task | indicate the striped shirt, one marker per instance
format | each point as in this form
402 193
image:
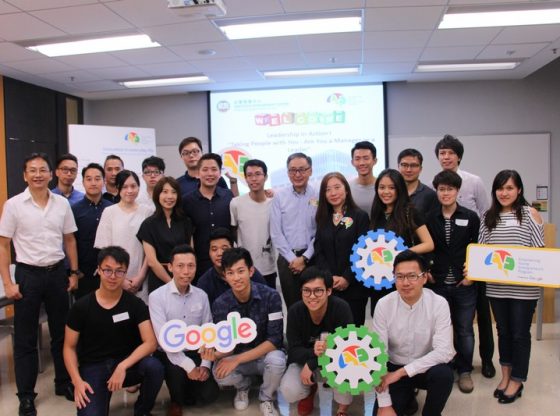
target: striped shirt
528 233
449 279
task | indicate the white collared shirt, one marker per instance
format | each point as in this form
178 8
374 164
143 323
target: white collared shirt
472 194
418 336
37 232
167 303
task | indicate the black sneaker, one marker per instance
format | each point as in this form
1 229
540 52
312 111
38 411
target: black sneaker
27 407
67 391
488 369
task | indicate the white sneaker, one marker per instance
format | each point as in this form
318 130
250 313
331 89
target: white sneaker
268 409
241 400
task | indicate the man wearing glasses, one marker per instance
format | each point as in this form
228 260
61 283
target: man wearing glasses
292 225
109 340
190 150
309 320
66 173
415 325
410 167
153 169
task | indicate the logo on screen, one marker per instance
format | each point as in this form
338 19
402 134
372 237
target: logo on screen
234 160
336 98
501 259
223 106
132 137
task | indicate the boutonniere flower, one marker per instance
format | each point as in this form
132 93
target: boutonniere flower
347 221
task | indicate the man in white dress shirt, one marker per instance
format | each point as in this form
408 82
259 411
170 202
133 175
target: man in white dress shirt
415 325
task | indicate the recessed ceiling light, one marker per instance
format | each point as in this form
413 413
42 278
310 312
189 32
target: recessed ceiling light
473 66
80 47
354 70
162 82
252 28
469 18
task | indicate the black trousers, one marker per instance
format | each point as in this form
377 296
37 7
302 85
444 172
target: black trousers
437 381
289 282
37 286
183 390
484 321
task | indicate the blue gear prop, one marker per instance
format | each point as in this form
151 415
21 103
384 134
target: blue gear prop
355 360
376 274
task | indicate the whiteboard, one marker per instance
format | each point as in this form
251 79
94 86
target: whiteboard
485 156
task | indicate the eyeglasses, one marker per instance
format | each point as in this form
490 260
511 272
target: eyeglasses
409 165
412 277
155 172
193 152
66 171
295 171
109 272
254 175
37 171
317 292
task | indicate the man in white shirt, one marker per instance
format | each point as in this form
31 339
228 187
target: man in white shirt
364 158
415 325
250 217
39 223
186 375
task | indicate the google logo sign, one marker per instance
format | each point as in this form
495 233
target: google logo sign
176 336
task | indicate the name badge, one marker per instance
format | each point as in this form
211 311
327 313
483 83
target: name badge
120 317
461 222
511 223
275 316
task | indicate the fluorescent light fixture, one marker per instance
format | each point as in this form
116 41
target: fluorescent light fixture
318 72
80 47
473 66
456 18
291 25
163 82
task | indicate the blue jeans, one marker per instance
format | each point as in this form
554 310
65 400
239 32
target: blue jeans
513 321
148 371
462 304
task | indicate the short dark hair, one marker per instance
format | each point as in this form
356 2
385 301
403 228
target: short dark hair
410 153
299 155
450 142
256 163
190 140
120 255
219 233
158 162
233 255
93 166
314 272
37 155
113 157
66 156
409 255
181 249
365 145
211 156
449 178
123 175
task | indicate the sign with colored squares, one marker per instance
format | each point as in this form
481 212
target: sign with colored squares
355 360
515 265
372 258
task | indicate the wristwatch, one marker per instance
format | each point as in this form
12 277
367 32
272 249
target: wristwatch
76 272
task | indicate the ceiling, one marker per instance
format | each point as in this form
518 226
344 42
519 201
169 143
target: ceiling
397 35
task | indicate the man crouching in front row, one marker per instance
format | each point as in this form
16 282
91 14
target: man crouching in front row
109 335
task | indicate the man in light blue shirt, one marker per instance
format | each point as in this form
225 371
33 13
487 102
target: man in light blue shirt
66 173
187 376
292 225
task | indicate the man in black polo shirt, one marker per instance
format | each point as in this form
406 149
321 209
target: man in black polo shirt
453 228
410 167
109 340
208 207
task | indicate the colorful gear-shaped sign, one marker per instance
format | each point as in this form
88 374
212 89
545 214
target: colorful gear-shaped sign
355 360
372 258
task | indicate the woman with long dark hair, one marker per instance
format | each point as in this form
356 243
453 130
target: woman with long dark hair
165 229
339 225
510 220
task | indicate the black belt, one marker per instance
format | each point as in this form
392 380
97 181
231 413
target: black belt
50 268
299 253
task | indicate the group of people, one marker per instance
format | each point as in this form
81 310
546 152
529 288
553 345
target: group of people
192 249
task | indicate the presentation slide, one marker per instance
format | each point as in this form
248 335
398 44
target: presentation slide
322 122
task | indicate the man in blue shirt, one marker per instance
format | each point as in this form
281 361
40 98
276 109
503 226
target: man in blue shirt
292 225
87 213
262 356
66 172
207 207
